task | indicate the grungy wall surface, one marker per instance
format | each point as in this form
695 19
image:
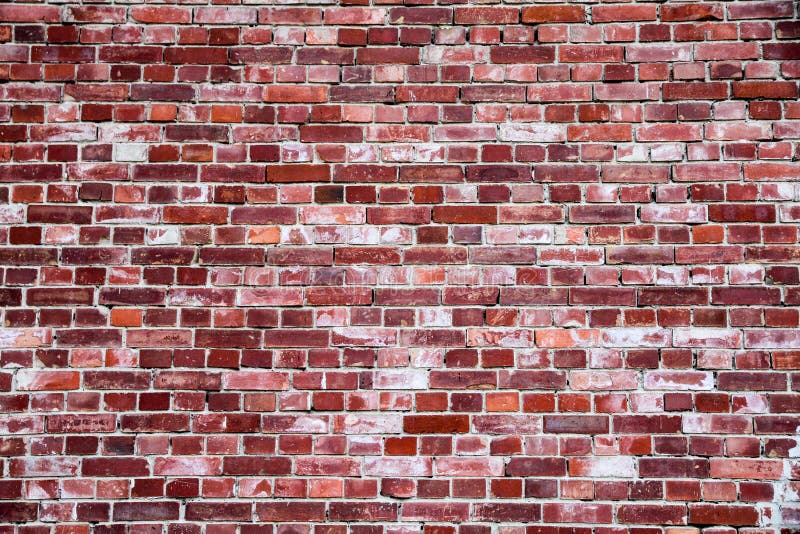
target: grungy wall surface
367 266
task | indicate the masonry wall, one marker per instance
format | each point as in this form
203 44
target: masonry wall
378 267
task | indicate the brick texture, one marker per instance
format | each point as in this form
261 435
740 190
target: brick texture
381 267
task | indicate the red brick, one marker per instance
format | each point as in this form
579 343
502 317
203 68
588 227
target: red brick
309 261
688 12
436 424
772 89
721 514
520 466
652 514
553 14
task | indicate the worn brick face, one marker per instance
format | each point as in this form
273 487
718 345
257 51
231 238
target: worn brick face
389 267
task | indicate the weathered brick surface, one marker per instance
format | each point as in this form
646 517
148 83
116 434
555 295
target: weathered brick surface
387 267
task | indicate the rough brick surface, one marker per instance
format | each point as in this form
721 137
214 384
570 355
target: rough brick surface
381 267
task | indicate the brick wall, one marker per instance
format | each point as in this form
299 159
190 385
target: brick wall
378 267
